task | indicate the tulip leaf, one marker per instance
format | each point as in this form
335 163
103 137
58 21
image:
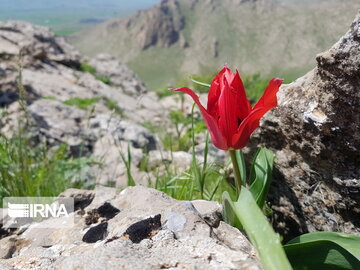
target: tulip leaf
200 83
324 250
229 212
262 236
260 175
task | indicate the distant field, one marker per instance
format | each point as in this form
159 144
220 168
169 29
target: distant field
66 17
62 22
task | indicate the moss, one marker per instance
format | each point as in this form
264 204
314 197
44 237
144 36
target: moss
81 103
85 67
104 79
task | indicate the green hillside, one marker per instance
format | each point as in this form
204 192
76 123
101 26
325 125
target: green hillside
179 38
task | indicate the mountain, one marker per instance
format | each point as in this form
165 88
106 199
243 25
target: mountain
177 38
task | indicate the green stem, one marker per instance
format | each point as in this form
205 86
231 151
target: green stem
238 181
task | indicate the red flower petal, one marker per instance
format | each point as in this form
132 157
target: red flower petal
214 93
247 126
229 111
243 102
211 123
269 99
251 122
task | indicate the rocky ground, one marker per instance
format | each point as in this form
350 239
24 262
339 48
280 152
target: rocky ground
52 73
314 133
138 228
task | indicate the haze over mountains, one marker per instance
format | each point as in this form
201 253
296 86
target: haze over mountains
178 38
67 16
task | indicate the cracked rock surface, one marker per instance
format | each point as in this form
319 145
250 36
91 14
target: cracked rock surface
315 133
177 236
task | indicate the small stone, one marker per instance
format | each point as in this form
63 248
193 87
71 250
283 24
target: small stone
175 222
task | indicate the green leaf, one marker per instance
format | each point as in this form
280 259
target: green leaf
228 211
261 234
200 83
324 250
127 163
260 175
194 165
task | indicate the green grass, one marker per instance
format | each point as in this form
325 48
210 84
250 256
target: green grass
85 67
202 180
104 79
81 103
28 170
113 106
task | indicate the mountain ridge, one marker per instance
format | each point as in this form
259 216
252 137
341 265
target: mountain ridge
178 38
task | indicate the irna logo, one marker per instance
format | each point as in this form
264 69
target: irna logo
47 212
21 210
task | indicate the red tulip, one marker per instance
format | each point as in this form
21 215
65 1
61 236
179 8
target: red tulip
229 116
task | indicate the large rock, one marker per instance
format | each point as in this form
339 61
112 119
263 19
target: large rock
104 136
35 42
51 76
316 137
138 228
51 68
118 73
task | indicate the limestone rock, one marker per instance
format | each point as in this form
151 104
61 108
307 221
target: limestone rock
180 161
104 136
182 239
118 73
35 43
316 137
51 76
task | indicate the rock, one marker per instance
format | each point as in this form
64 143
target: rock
163 25
180 161
52 75
51 69
35 43
151 231
57 83
104 136
10 245
210 211
215 155
118 73
139 109
60 123
108 150
82 197
315 135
